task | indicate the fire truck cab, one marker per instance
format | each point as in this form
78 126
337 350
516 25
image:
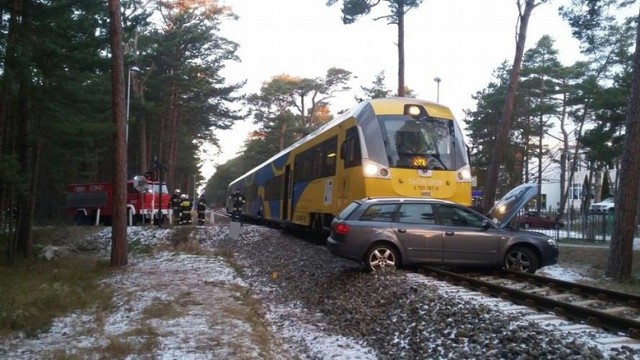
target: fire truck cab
92 203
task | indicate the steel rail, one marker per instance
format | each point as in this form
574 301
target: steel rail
630 300
629 327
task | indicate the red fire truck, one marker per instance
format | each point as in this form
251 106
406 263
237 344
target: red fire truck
92 203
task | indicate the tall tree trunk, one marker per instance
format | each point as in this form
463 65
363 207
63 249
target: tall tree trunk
620 259
172 137
597 184
504 126
28 205
563 158
160 153
281 138
401 91
539 182
144 154
7 131
25 136
306 122
9 64
119 212
540 145
25 241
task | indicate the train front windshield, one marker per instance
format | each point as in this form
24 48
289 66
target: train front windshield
427 143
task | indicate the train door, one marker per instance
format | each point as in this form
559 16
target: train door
350 176
286 193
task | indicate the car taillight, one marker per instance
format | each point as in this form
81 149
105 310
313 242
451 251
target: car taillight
342 229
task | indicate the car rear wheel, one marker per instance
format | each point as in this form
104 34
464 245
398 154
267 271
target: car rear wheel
522 259
381 257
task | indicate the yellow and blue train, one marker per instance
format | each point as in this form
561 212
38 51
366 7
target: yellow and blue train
382 147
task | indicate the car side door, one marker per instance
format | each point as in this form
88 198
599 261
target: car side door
466 240
416 229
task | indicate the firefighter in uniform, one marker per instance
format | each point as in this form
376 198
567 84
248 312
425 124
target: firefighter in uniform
202 208
237 200
174 204
185 205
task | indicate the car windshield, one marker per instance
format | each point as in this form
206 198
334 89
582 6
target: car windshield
608 201
425 143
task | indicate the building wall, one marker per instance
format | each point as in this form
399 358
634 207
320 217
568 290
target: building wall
552 191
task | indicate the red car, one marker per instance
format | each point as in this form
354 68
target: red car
533 219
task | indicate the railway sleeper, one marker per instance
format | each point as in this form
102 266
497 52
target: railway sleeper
586 303
618 309
560 296
540 291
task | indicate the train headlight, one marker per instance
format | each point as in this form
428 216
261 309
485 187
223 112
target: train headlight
415 111
464 174
370 170
373 169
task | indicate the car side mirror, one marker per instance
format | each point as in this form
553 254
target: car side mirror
485 224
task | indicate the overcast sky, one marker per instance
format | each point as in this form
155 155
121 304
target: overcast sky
460 41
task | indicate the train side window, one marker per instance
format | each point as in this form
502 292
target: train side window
317 161
273 188
350 149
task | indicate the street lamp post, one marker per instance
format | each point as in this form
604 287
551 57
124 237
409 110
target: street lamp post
135 69
437 80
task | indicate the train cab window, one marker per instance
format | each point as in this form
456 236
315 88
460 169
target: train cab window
350 149
425 143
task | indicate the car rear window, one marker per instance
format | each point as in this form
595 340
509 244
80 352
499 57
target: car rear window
379 212
348 210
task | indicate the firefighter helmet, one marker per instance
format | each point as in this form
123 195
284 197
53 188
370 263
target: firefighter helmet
183 196
176 191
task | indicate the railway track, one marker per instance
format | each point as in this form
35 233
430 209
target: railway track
610 310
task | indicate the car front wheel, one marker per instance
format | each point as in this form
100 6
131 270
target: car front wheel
521 259
382 257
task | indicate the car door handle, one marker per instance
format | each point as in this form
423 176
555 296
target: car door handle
402 230
449 233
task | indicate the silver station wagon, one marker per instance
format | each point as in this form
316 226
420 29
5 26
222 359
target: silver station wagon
395 232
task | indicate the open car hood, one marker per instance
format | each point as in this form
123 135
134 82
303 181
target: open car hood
507 207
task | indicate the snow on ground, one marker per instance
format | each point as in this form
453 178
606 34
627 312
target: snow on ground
191 304
196 307
562 273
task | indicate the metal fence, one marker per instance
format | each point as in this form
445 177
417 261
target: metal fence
587 227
